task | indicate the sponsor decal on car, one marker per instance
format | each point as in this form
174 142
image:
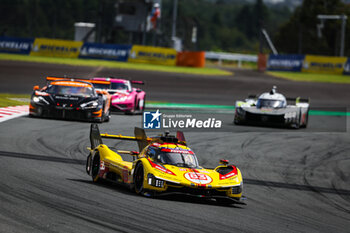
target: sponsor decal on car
198 178
161 168
102 165
177 151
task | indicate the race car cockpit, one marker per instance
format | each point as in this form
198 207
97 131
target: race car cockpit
176 157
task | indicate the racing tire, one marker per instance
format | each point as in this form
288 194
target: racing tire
236 122
306 120
138 179
297 123
99 120
95 168
138 109
142 107
107 116
88 164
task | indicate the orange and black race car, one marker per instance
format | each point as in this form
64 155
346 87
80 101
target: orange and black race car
66 98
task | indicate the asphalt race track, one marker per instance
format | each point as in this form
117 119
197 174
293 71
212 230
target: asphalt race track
295 180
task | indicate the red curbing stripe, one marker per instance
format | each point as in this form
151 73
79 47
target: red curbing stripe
6 113
11 111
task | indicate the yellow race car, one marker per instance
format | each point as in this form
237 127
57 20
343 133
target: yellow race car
164 165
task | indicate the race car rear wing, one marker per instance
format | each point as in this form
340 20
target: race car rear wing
298 100
137 82
50 79
96 137
181 138
131 81
140 137
289 99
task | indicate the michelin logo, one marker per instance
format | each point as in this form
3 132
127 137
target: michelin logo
152 120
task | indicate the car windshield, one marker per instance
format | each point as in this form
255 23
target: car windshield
70 90
178 159
101 86
265 103
120 86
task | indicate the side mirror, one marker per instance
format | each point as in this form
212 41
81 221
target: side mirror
134 153
35 88
224 162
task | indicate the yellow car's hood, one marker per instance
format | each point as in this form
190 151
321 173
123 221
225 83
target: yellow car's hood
198 177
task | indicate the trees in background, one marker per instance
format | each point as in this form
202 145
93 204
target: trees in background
222 25
299 34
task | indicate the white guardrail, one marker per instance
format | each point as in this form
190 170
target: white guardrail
231 57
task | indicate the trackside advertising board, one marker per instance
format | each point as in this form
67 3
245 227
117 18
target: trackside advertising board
152 55
347 67
56 48
285 62
324 65
105 51
15 45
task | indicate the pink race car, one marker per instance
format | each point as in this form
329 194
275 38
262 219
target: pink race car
125 98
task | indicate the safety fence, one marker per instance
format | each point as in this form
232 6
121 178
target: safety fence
112 52
221 56
309 64
168 56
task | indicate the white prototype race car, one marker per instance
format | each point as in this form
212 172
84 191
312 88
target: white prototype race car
272 109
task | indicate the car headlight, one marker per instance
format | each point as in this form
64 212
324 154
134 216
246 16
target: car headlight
36 99
290 115
237 189
39 99
91 104
152 180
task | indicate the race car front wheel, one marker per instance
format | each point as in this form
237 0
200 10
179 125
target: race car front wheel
141 105
88 163
107 116
95 168
138 178
306 120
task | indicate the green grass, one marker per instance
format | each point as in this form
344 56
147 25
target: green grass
115 64
310 77
13 100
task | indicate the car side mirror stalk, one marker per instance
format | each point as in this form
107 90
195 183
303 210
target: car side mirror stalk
224 162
